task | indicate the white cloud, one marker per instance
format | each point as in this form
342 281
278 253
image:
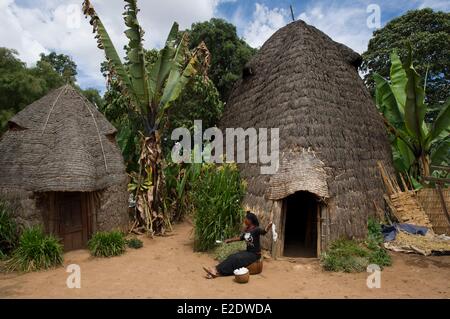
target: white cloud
346 25
443 5
265 22
40 26
343 23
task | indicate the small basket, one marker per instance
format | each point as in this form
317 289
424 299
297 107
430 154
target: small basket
242 279
256 267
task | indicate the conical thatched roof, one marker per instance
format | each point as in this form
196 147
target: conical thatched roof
60 143
331 135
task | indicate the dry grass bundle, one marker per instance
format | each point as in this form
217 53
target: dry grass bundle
425 245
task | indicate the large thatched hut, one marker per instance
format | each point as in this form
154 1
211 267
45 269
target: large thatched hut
60 167
331 137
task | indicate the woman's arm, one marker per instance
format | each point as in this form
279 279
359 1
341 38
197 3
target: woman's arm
230 240
269 225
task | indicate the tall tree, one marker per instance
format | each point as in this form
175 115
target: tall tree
93 96
229 53
62 64
429 34
20 86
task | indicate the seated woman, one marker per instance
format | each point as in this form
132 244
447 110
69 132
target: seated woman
243 258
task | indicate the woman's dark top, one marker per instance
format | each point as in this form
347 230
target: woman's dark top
251 237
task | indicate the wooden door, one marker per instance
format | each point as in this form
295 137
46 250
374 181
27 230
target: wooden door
73 227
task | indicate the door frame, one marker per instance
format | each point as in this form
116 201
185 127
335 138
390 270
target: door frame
319 224
53 218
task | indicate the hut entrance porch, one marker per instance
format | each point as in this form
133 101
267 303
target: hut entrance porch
70 217
301 218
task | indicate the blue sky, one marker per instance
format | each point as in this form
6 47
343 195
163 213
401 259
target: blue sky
35 26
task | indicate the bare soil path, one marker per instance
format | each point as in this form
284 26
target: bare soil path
168 268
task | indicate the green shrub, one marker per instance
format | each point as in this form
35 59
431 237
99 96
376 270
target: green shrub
177 191
380 257
107 244
353 256
345 255
217 195
374 231
36 251
3 256
374 242
135 243
222 251
9 234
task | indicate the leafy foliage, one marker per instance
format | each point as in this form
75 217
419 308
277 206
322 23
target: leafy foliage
402 103
36 251
374 241
217 197
229 53
179 181
20 85
353 256
222 251
429 32
345 255
199 101
8 229
62 64
107 244
150 91
135 243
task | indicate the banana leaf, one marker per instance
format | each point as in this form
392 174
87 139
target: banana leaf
442 122
440 153
105 43
398 81
387 102
160 70
136 55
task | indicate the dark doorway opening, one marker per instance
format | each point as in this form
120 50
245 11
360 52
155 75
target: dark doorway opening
301 225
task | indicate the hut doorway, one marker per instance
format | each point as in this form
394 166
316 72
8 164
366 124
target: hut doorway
301 225
73 219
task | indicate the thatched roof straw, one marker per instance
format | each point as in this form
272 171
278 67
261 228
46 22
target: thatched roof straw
60 143
331 135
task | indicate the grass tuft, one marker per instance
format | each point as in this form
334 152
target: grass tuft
36 251
135 243
354 256
217 196
107 244
222 251
9 232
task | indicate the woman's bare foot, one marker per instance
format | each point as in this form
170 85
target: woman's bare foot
211 272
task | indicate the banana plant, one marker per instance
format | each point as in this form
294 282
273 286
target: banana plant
151 89
402 103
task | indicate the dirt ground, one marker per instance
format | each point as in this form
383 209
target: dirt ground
167 267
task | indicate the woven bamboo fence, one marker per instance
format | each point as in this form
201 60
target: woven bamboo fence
431 203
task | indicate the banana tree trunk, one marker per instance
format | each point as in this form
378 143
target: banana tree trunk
151 160
424 165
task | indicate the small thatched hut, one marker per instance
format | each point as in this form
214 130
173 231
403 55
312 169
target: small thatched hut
331 137
60 167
